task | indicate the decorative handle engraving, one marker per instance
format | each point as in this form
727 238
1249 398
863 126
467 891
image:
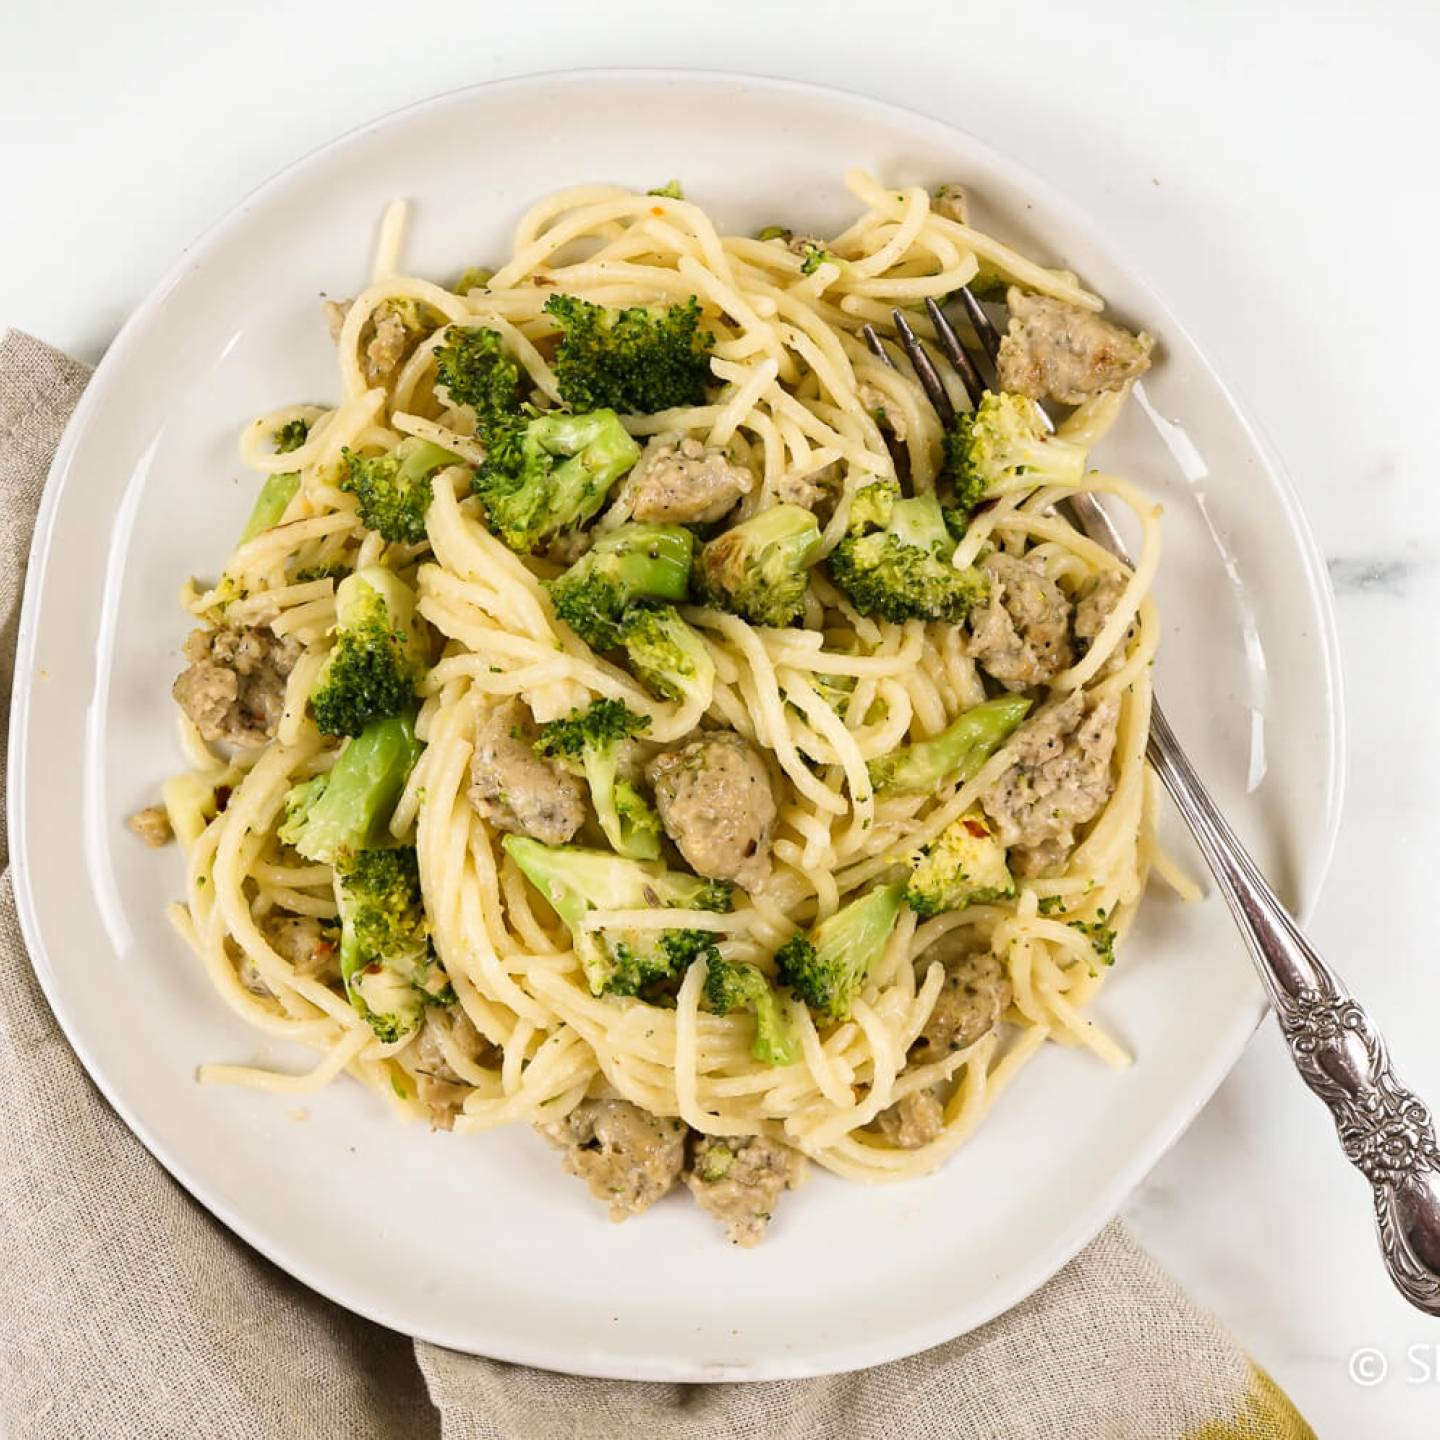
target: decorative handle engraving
1386 1130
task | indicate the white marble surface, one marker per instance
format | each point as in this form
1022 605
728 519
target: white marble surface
1269 164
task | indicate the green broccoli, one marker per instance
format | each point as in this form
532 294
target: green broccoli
333 570
639 359
827 967
632 562
589 741
395 490
637 821
349 808
670 190
386 963
895 560
378 657
834 690
619 962
965 865
551 473
273 501
774 232
666 653
1002 445
473 277
291 436
814 256
473 368
760 568
988 284
730 987
956 753
1100 936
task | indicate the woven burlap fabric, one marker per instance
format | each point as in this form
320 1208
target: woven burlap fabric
127 1311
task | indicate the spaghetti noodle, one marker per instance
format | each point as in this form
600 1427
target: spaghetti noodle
799 404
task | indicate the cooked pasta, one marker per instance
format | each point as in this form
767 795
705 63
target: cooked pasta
728 1016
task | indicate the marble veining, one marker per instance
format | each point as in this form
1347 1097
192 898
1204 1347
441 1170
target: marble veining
1386 575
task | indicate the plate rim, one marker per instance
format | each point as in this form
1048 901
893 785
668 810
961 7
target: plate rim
597 1359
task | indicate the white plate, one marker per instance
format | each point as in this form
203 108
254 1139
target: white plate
481 1243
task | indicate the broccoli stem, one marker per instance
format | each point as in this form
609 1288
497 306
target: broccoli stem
730 986
350 808
957 752
827 968
273 501
590 740
576 881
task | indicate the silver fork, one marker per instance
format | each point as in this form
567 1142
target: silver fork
1385 1129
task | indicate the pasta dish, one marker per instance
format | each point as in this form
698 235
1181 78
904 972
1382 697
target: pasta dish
632 711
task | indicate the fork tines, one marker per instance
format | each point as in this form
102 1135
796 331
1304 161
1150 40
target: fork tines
988 335
925 370
955 352
964 361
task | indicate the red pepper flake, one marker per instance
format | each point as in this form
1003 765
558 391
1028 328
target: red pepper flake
975 828
222 797
657 209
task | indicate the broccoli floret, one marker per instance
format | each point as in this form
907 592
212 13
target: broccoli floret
743 987
956 753
667 654
632 562
1002 445
474 369
872 506
349 808
589 742
638 359
389 972
378 657
671 190
774 232
551 473
274 499
648 959
901 570
965 865
760 568
619 962
291 436
827 967
395 490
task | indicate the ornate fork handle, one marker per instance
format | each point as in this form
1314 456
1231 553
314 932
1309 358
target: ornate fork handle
1386 1131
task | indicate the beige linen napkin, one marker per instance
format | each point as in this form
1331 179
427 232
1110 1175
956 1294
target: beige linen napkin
126 1310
